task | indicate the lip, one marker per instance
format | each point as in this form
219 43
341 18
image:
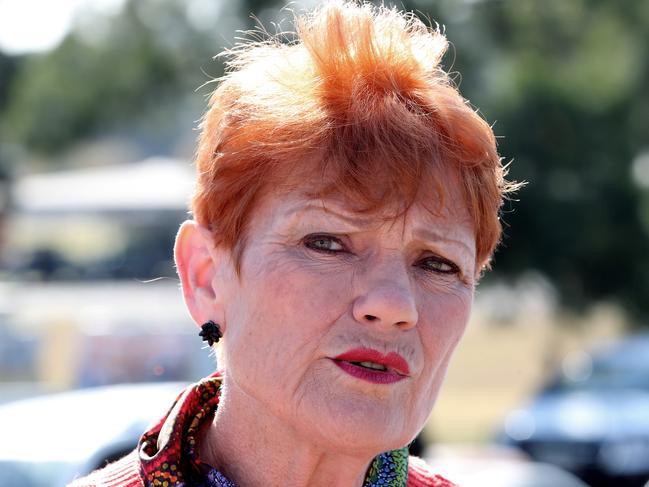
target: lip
396 365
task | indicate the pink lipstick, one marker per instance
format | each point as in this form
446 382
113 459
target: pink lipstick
373 366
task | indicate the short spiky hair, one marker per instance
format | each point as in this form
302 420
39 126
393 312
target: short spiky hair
361 91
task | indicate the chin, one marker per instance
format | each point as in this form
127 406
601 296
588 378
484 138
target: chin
361 424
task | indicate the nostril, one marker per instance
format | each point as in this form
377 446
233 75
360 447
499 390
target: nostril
370 317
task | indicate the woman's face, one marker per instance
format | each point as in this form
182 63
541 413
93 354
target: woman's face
341 324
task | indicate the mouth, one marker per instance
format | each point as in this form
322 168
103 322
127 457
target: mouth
373 366
370 365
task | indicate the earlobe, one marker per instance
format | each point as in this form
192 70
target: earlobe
197 262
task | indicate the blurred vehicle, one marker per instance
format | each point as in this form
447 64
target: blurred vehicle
97 223
524 474
497 466
50 440
593 418
88 290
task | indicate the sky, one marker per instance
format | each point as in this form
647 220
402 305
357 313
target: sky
39 25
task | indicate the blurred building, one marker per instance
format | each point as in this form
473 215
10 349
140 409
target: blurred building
89 291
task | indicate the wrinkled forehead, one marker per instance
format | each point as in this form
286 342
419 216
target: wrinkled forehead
392 196
445 214
426 209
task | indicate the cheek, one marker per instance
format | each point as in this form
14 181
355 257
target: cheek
446 313
281 328
446 317
303 293
287 308
442 323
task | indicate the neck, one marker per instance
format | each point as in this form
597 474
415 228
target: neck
252 447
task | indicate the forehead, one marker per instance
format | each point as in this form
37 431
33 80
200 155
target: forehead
432 216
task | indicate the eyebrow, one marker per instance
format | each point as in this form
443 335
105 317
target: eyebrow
360 222
432 236
353 219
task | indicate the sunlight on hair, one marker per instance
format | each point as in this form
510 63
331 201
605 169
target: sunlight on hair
359 105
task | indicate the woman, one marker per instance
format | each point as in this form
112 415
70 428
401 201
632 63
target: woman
346 205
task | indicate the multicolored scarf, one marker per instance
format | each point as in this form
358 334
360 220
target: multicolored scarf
169 458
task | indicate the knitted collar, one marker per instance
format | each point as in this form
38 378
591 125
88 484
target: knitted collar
168 455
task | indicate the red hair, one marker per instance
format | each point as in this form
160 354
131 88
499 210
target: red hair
361 91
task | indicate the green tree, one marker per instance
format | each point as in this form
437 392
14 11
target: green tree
139 74
567 84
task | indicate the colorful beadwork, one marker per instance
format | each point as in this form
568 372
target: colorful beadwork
389 469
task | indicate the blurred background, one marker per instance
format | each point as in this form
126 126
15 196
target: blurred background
99 102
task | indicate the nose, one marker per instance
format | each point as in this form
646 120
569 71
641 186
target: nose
386 299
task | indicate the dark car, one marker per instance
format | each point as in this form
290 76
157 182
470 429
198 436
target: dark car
593 418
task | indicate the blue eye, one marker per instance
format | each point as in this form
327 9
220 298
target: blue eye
439 265
324 243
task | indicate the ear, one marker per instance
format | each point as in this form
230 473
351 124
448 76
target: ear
200 264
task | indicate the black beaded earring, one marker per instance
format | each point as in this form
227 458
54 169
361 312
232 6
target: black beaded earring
210 333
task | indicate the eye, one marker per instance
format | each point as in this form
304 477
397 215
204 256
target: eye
438 264
324 243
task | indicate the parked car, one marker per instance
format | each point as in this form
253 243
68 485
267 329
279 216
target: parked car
488 465
593 418
49 440
523 474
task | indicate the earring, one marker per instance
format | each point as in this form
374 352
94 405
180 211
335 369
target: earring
210 333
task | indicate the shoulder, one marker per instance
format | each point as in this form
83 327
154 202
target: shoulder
421 475
122 473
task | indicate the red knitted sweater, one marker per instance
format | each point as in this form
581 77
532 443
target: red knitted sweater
126 473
